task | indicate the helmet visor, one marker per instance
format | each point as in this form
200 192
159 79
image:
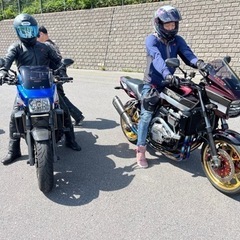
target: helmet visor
27 31
169 15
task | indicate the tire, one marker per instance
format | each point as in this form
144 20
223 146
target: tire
44 160
133 112
225 178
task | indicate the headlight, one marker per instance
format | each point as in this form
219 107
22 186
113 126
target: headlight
39 105
234 109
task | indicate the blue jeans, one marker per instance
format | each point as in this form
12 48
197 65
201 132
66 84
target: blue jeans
145 118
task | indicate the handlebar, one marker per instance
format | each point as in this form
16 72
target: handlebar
63 79
66 79
12 79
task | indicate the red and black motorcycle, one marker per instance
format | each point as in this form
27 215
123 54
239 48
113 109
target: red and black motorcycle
190 115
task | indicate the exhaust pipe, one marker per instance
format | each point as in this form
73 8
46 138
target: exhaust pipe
120 109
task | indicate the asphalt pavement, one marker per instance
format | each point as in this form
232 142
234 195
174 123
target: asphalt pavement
99 193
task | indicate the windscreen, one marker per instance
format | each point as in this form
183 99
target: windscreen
224 72
35 77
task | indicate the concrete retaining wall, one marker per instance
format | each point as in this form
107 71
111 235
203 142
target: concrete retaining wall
113 38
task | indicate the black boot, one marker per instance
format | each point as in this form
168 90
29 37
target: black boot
70 141
69 136
14 152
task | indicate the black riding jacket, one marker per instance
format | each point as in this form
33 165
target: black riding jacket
38 54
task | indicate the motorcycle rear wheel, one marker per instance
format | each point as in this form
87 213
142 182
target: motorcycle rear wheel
44 160
133 112
225 178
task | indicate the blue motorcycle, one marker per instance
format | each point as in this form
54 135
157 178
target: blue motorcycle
40 119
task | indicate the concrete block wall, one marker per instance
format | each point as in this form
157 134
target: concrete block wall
113 38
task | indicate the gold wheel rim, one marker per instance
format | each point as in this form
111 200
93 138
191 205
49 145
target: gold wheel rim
126 129
227 176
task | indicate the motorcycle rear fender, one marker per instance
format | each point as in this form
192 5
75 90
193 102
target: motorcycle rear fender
40 134
232 136
133 87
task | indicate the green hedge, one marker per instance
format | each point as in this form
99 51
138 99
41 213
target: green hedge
11 8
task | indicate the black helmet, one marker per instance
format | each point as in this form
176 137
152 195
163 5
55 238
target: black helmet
163 15
26 28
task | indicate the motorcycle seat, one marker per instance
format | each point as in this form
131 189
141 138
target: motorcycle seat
136 85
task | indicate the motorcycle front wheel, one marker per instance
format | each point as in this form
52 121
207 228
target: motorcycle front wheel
44 160
226 177
133 112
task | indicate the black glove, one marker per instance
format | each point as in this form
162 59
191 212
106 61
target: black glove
3 74
172 80
201 65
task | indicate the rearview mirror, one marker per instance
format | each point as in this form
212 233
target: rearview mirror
172 62
67 62
227 59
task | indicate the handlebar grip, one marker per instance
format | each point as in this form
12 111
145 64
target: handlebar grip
65 78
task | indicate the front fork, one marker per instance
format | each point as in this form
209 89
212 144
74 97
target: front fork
52 127
33 135
215 160
28 139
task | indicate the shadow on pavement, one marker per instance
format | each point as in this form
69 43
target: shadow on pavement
99 123
80 176
191 165
2 131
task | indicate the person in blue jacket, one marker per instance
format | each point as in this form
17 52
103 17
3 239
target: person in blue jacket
162 44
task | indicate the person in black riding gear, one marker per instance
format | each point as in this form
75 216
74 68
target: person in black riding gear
73 110
29 52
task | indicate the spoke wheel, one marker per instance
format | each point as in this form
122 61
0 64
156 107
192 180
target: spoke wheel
226 177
